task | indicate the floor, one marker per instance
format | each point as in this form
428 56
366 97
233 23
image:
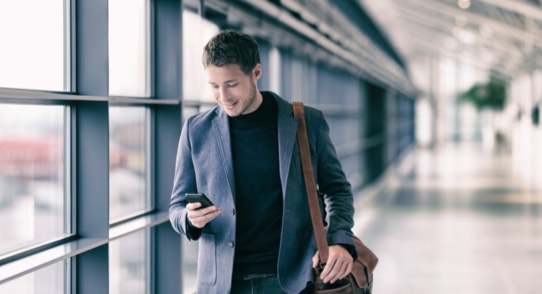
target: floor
455 220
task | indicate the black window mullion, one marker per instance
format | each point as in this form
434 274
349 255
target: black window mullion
167 84
92 144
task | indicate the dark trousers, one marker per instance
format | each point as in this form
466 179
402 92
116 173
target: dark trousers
267 285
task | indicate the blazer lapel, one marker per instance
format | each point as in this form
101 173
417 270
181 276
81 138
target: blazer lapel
287 125
222 131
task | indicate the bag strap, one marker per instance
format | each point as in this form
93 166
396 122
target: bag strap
310 184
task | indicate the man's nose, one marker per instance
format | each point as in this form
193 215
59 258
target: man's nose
224 94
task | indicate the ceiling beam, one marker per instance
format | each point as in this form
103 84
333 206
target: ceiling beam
418 23
521 7
497 27
418 32
427 49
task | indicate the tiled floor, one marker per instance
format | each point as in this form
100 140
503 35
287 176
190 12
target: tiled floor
458 221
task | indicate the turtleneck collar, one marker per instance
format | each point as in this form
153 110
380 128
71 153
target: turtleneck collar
266 112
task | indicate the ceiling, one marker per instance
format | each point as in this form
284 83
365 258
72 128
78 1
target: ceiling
316 29
503 37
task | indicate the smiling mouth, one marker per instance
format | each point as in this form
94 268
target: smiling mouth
231 106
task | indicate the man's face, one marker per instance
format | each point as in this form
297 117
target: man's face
235 91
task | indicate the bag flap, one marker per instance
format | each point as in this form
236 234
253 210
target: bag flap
358 273
365 255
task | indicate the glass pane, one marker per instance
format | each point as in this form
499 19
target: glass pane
32 55
32 175
189 111
196 33
52 279
128 161
129 259
189 268
129 54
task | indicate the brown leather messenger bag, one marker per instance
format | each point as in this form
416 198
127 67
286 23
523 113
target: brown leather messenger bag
360 280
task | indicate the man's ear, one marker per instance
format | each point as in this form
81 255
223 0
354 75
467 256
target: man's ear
257 72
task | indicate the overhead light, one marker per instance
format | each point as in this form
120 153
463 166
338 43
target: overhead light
463 4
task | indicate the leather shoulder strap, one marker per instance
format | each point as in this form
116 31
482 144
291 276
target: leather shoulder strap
310 184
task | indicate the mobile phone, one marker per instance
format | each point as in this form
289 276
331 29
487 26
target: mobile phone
201 198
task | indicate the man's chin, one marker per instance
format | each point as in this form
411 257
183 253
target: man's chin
231 112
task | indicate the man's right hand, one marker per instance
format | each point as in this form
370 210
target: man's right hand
200 217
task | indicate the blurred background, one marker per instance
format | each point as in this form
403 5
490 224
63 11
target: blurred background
433 105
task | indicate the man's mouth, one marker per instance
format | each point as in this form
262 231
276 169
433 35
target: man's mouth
230 106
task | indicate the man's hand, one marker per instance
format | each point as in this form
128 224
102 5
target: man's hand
200 217
339 264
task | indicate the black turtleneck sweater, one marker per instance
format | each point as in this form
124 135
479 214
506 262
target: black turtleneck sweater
258 191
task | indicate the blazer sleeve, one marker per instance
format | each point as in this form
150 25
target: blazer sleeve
332 182
184 182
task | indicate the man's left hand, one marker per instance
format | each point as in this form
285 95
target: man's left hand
339 264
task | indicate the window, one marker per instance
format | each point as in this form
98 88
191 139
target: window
50 279
76 166
196 33
34 199
33 54
190 251
129 161
129 48
129 264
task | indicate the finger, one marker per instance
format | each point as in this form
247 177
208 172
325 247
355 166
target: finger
315 260
199 220
338 265
340 268
193 206
205 214
201 212
325 276
348 269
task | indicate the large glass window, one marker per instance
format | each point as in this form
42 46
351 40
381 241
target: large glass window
129 161
33 195
129 48
51 279
196 33
189 268
33 54
129 264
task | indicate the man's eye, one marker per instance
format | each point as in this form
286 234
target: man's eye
231 85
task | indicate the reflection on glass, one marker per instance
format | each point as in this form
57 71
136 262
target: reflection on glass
32 176
128 161
129 259
189 111
48 280
32 55
196 32
189 269
129 54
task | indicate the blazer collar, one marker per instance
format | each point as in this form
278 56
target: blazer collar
287 126
221 129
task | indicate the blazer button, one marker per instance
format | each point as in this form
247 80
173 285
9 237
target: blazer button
230 244
233 211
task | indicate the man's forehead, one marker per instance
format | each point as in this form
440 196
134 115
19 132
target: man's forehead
230 71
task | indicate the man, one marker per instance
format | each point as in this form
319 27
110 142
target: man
244 156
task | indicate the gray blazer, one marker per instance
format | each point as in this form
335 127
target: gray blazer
204 165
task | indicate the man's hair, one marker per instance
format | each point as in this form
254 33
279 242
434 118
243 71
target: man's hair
231 47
